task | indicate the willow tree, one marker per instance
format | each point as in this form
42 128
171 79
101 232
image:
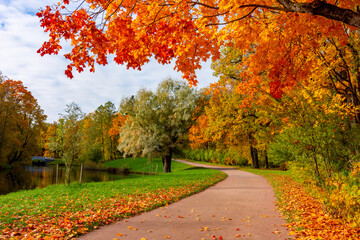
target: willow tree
158 122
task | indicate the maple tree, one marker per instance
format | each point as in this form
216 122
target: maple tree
299 62
192 31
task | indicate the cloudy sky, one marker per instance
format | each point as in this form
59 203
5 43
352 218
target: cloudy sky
20 38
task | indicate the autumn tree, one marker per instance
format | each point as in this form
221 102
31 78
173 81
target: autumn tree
117 122
194 31
72 136
98 143
21 122
284 44
158 122
231 122
51 150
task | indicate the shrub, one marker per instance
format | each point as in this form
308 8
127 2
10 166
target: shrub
228 157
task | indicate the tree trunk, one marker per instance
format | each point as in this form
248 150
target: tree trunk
266 160
167 163
67 175
254 157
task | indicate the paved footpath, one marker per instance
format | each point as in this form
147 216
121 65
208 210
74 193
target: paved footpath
240 207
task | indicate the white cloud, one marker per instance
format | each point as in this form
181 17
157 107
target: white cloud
21 36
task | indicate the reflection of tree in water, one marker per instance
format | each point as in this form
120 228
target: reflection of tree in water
38 177
15 179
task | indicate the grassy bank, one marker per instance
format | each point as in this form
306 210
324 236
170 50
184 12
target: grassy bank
67 211
144 165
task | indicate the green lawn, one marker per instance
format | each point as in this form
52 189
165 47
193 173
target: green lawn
144 165
83 207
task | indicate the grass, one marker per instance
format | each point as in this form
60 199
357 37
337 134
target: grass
56 161
144 165
91 204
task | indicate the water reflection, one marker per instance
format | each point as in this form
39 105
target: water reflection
30 177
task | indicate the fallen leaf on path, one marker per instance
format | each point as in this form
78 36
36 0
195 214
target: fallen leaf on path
276 231
239 235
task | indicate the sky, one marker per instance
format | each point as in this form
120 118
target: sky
21 36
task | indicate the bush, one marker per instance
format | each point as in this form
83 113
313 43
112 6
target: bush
93 154
342 195
283 166
227 157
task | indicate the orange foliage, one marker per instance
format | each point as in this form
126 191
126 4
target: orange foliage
196 133
309 218
189 32
117 123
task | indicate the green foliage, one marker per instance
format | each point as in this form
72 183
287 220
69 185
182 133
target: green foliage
342 195
321 148
96 133
158 122
71 144
93 154
228 157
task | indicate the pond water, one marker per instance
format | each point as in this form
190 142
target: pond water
30 177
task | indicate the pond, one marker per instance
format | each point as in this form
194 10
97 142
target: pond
31 177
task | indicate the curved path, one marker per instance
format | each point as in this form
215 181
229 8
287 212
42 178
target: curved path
239 207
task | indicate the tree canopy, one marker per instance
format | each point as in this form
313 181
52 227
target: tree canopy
158 122
194 31
21 122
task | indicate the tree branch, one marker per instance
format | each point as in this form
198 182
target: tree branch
321 8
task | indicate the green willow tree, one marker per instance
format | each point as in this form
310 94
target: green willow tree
158 122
